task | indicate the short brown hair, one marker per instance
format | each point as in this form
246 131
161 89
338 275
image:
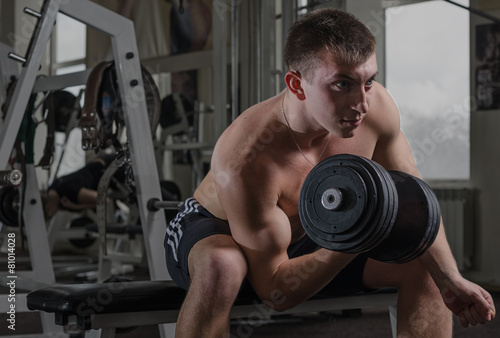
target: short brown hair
329 30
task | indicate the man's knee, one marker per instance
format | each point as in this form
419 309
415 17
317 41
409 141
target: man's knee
220 267
224 263
416 273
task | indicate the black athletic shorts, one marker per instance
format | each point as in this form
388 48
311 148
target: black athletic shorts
194 222
86 177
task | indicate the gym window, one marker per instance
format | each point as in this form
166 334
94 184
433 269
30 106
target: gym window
68 53
428 73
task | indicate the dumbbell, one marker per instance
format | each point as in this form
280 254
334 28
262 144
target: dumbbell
353 205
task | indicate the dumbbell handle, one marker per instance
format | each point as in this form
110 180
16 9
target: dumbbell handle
331 199
10 177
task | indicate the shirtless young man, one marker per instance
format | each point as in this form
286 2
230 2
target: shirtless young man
244 222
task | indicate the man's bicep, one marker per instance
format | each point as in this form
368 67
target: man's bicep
265 247
260 228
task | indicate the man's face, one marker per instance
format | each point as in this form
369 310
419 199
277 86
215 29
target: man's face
339 95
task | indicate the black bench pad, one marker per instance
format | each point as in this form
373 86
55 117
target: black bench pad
114 297
122 296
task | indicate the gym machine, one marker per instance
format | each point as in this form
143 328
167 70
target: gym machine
126 58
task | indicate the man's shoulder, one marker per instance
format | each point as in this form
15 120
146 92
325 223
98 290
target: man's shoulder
253 133
382 95
384 113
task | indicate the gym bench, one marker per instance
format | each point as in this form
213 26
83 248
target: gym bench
101 308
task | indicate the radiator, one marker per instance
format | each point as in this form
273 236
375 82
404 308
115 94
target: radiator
457 210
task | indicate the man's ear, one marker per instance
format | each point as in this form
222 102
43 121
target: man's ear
293 81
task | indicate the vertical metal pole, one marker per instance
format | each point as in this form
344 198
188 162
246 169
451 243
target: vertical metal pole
259 49
219 68
267 49
43 270
288 17
38 242
235 46
26 81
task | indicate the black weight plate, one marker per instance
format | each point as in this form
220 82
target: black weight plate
385 203
374 228
324 176
433 224
353 204
366 213
391 205
3 193
367 236
11 206
411 225
81 223
9 200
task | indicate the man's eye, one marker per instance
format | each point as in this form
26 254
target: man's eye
341 84
370 82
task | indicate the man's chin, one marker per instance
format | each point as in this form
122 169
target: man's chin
348 133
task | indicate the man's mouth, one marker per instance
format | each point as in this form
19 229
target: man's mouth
353 122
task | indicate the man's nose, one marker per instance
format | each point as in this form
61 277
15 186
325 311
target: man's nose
360 103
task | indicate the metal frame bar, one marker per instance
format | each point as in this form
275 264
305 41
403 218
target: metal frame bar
288 17
126 56
8 68
476 12
180 62
26 79
267 52
235 58
219 69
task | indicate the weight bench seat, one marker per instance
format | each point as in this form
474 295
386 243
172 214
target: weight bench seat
138 303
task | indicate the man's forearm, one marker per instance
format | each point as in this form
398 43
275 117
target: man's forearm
439 260
302 277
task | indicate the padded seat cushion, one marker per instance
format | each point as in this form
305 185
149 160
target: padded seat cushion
115 296
87 299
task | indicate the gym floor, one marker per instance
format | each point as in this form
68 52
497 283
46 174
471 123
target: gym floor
367 323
